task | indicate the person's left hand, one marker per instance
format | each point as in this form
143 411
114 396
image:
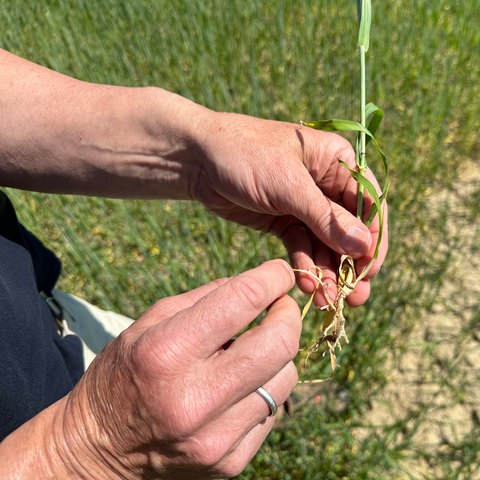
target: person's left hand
174 396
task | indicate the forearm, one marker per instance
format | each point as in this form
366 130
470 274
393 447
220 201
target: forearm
62 135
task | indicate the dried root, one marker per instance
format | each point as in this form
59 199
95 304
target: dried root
333 326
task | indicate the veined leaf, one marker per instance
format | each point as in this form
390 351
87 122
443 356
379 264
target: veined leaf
375 116
338 125
373 210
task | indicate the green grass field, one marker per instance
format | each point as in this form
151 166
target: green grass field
292 61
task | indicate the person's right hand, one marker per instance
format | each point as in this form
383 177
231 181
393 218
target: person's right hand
286 179
174 397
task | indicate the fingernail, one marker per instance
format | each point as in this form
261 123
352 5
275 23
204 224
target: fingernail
356 241
287 267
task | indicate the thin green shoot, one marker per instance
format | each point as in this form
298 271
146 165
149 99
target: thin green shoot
333 326
364 12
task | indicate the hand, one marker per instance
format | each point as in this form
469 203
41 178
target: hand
286 179
173 397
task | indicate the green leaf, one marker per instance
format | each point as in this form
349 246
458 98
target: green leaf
377 201
337 125
375 116
364 11
373 210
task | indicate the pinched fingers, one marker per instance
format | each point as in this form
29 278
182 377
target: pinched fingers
199 330
212 386
183 356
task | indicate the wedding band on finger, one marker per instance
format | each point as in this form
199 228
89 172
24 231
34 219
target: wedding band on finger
269 400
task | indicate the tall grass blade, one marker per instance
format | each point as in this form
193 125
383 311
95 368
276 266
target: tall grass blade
364 11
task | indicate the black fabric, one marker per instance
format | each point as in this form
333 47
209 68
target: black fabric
37 366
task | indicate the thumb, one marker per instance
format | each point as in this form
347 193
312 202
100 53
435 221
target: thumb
334 225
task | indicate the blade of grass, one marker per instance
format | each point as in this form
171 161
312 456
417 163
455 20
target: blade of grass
375 114
377 200
364 12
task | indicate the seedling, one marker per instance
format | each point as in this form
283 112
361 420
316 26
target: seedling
333 330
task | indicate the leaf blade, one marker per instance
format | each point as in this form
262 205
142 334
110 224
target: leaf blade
364 11
377 200
375 116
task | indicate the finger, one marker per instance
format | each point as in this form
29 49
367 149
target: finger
306 253
234 463
170 306
258 354
326 291
360 294
229 436
248 445
298 242
216 317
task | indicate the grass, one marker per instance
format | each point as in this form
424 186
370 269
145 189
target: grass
290 61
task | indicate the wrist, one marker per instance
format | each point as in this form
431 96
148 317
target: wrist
177 128
37 448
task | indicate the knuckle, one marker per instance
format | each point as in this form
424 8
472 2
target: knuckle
180 418
181 430
286 340
233 469
281 338
208 452
292 373
250 292
234 464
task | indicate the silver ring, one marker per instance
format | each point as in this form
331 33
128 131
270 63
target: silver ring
269 400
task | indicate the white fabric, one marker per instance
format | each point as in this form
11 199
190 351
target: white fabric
94 326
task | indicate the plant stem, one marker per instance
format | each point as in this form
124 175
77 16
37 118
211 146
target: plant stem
361 155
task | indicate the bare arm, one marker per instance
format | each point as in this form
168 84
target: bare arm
59 134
